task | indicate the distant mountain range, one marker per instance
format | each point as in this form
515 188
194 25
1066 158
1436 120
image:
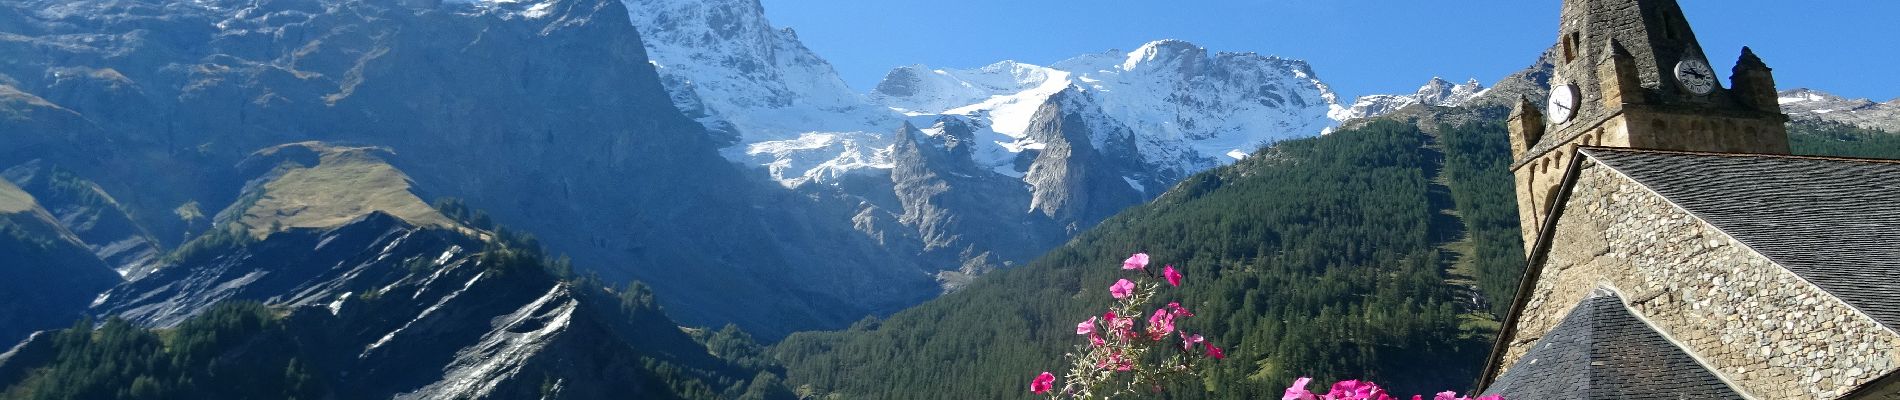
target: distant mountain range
1814 105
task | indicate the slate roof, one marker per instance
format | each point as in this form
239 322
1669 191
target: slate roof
1602 351
1834 222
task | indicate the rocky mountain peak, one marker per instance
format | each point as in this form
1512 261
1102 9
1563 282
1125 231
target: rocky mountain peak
1810 104
1167 54
726 65
1436 92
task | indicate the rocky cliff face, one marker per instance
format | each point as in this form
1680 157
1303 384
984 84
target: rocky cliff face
1083 164
968 217
786 108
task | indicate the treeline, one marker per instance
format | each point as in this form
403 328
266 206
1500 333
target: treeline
1314 258
1827 138
192 361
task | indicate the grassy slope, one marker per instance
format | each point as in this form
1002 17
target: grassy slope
347 183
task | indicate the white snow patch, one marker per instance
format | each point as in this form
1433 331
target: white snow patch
447 254
1135 184
337 306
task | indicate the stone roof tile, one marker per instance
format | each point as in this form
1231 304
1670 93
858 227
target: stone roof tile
1602 351
1832 221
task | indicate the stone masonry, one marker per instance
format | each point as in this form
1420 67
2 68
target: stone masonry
1760 326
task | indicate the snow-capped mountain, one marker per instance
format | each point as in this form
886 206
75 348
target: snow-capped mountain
1810 104
786 109
1040 152
1189 110
1437 92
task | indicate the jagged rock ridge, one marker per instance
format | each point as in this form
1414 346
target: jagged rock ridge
1813 105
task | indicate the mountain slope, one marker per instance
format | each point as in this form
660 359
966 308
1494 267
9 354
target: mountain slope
1828 138
1315 257
379 308
50 276
547 112
95 218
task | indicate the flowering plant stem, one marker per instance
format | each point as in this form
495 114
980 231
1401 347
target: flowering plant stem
1114 361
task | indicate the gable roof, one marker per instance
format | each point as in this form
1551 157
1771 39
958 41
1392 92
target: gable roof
1603 351
1832 221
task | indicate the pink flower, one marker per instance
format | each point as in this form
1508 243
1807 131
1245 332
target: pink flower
1446 395
1178 310
1174 277
1160 324
1086 327
1298 390
1215 351
1137 261
1043 383
1121 326
1358 390
1096 340
1189 341
1115 362
1121 289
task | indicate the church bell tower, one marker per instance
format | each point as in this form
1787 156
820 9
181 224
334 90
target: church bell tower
1629 73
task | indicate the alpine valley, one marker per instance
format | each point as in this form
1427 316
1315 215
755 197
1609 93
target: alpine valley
456 199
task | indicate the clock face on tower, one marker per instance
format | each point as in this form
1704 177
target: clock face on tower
1563 103
1695 76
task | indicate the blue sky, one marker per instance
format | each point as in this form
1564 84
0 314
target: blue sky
1848 47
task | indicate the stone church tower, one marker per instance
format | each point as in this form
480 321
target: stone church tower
1630 73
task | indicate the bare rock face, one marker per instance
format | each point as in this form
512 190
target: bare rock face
963 212
1081 173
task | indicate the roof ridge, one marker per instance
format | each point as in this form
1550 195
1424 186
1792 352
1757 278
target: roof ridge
1722 154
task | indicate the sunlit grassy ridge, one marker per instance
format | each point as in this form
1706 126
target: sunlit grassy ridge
345 183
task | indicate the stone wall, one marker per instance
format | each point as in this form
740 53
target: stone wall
1645 127
1760 326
